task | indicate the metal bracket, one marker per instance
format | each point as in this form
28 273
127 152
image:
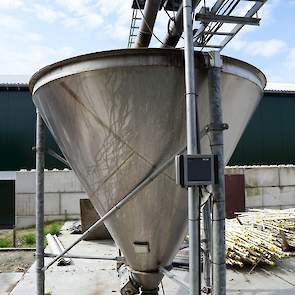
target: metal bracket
215 127
213 59
206 290
128 285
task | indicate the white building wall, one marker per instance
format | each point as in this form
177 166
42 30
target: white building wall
267 186
62 197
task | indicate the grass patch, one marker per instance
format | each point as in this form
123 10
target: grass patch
29 239
5 243
26 238
53 229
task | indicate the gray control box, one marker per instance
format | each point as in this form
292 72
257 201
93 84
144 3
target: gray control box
194 170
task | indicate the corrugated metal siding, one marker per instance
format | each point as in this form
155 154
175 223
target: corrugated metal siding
270 135
17 131
268 139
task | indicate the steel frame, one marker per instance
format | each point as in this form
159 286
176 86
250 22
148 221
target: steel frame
212 21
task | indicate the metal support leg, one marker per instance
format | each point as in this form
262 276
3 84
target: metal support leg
14 237
192 149
218 207
207 246
40 145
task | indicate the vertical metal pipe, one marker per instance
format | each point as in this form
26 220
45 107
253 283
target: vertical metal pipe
218 206
192 148
14 236
40 163
207 245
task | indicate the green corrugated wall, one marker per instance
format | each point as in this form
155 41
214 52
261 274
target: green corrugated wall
17 131
270 135
268 139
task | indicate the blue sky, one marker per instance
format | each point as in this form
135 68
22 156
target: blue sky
35 33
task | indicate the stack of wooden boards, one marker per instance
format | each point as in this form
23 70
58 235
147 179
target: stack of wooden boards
260 236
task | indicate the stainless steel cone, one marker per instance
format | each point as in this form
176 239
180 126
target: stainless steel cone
117 115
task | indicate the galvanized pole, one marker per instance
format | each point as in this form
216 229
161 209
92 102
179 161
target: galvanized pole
40 163
192 149
218 206
206 212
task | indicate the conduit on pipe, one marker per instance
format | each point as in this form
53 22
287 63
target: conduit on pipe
145 32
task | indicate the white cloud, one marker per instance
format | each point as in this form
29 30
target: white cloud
107 7
71 22
93 20
11 4
26 37
81 13
291 59
266 12
32 58
9 22
47 14
264 48
121 12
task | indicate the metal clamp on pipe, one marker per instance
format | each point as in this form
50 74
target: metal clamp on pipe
216 127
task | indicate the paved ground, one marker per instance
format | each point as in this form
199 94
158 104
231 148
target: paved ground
15 261
8 281
92 277
263 281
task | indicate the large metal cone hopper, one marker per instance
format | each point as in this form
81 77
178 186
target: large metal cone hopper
117 115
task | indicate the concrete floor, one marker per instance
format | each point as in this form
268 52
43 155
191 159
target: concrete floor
92 277
8 281
263 281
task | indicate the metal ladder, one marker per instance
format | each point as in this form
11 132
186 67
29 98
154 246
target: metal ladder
134 26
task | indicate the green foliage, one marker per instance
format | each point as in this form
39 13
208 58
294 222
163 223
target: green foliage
5 243
29 238
53 229
26 237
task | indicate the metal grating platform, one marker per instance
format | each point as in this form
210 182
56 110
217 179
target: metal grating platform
219 24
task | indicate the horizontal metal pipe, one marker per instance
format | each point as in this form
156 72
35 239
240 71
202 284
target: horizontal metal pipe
118 258
125 200
173 277
17 249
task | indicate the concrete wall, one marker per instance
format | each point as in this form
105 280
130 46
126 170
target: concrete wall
267 186
63 192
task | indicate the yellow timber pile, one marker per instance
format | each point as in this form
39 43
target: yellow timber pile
260 236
